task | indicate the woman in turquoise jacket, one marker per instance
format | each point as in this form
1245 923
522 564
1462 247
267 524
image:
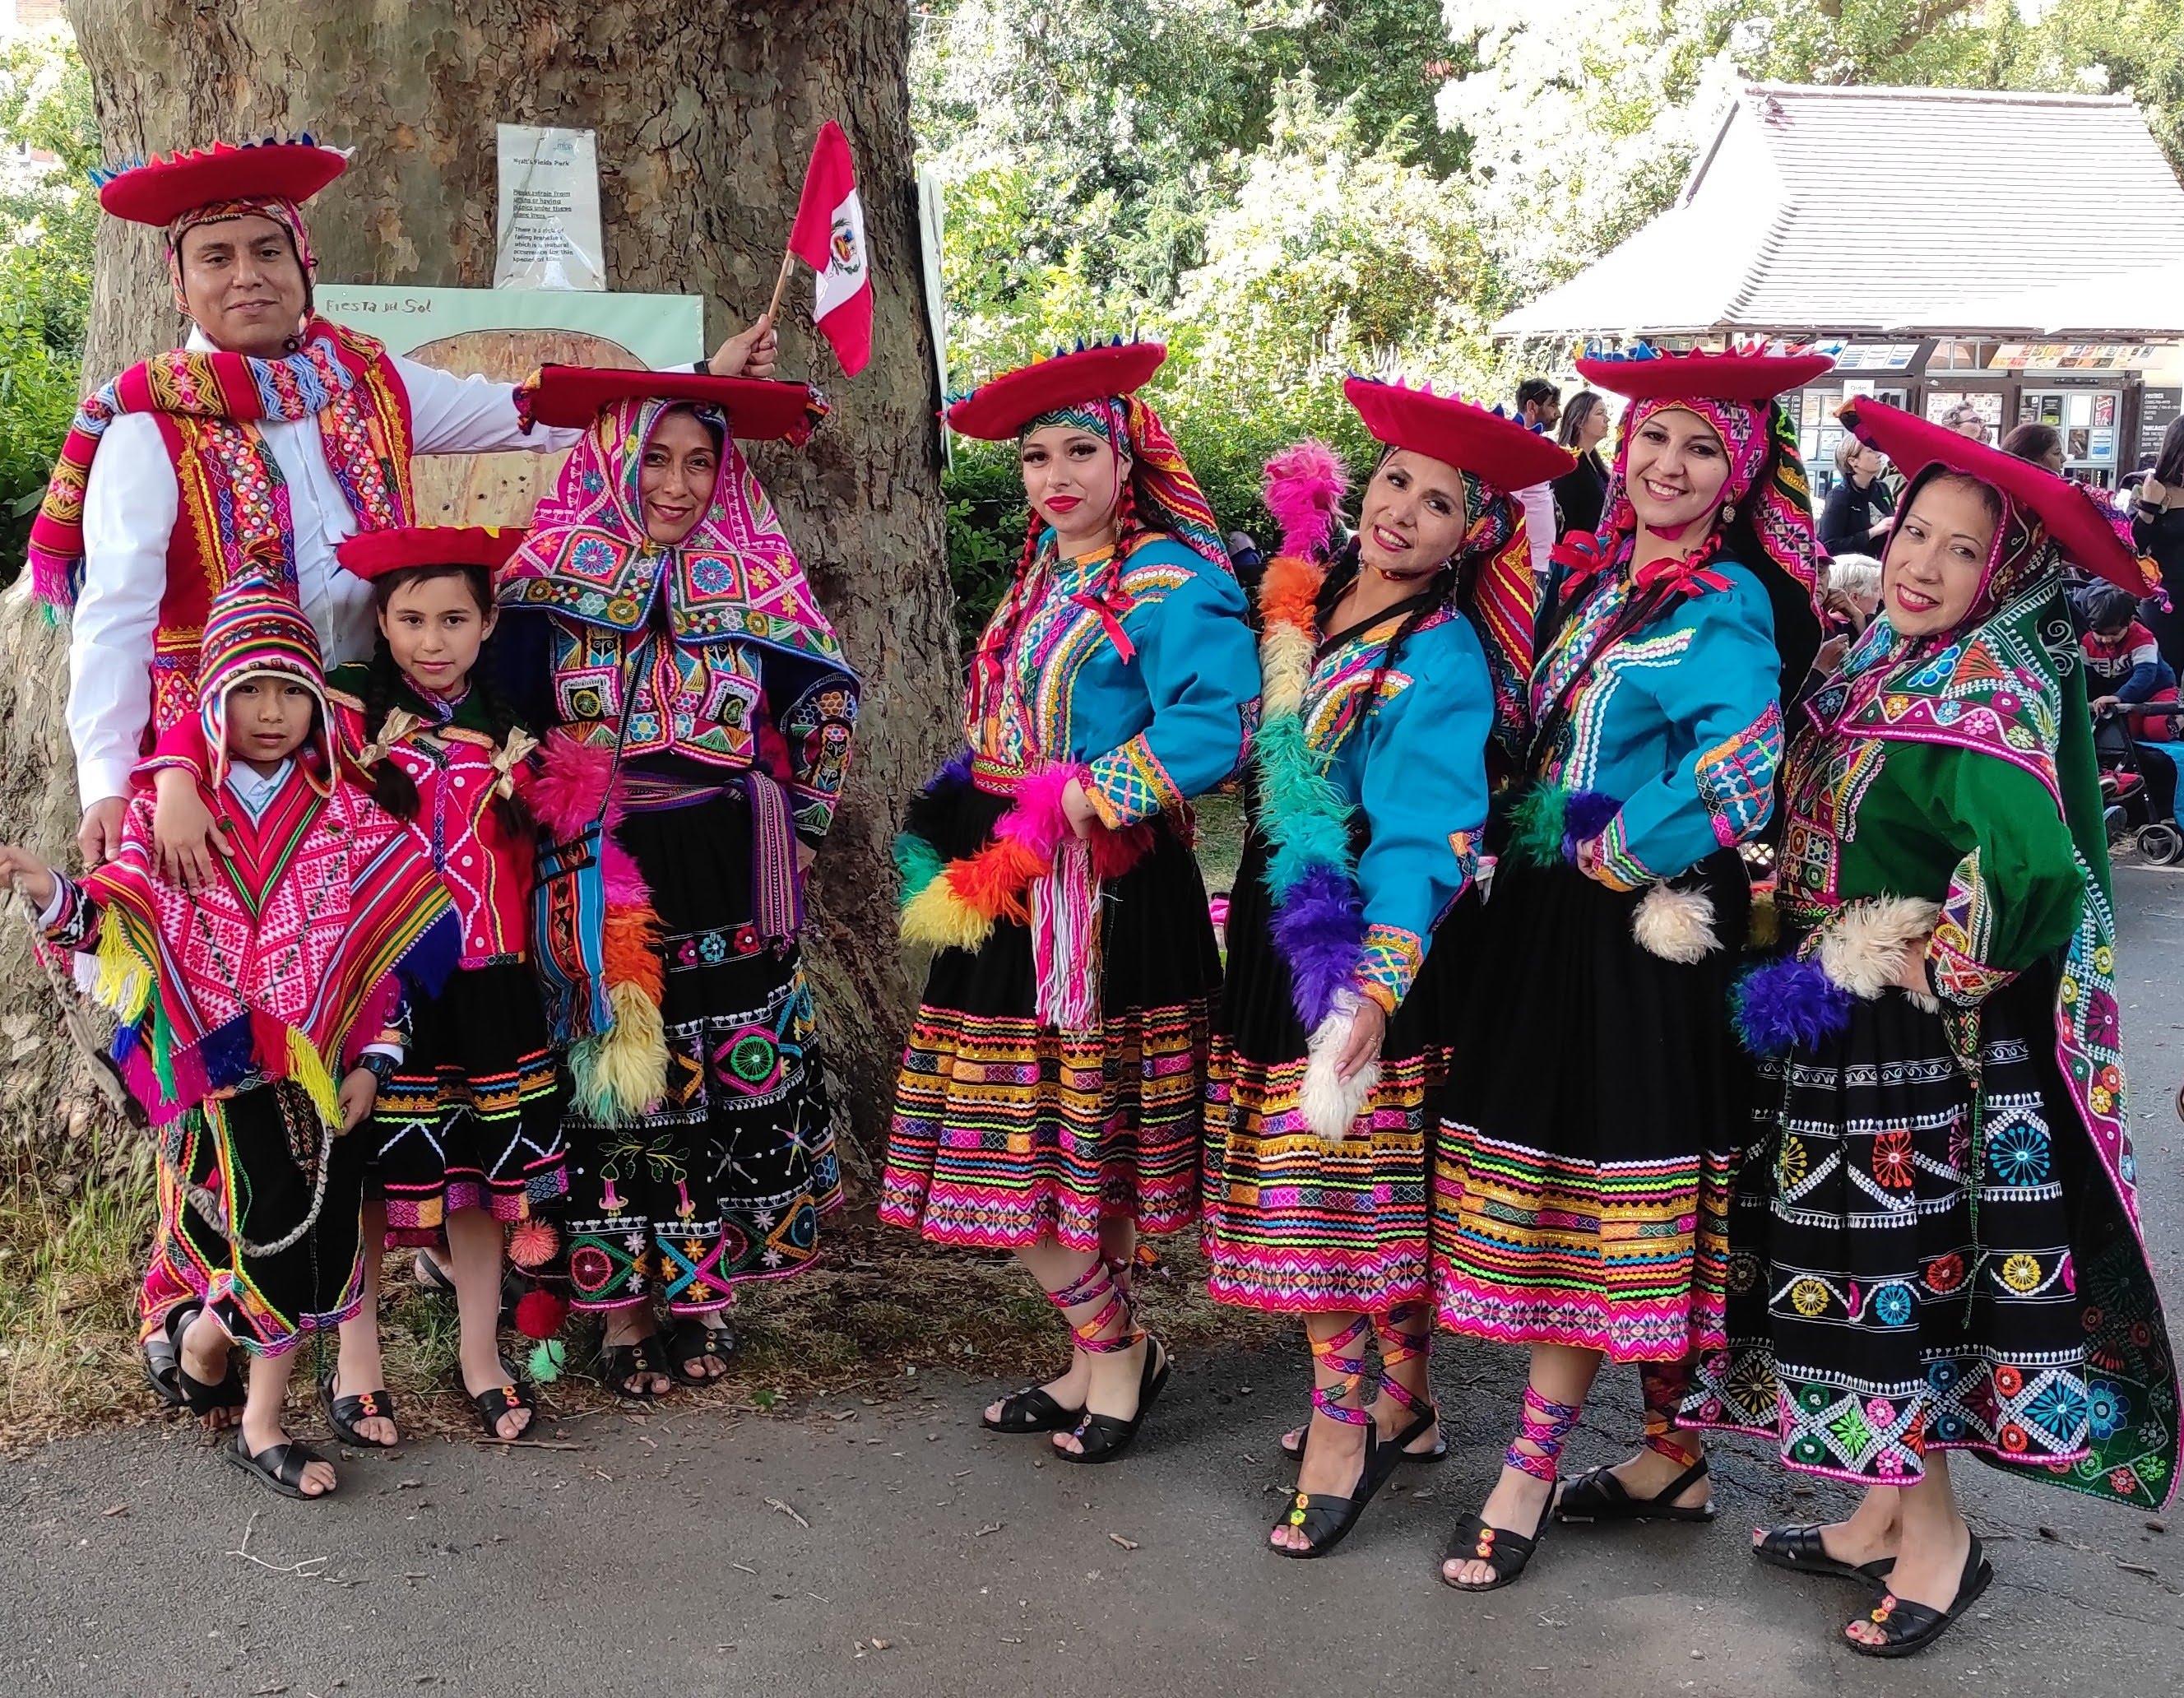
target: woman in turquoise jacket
1049 1098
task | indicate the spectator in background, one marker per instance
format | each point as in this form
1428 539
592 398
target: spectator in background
1539 408
2041 444
1579 493
2124 667
1859 509
1964 419
1244 555
2157 528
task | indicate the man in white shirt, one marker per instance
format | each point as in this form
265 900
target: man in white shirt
195 468
1540 409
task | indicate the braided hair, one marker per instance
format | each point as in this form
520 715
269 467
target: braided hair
392 788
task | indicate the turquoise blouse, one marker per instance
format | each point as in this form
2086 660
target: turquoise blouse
1680 723
1155 691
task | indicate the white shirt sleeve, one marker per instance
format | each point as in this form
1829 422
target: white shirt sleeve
469 415
129 512
1539 505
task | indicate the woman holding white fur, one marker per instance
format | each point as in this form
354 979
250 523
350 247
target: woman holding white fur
1387 672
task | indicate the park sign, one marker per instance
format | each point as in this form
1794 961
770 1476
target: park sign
506 335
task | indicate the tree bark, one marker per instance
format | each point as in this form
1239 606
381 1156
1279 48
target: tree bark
705 117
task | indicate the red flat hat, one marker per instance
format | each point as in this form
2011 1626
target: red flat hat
1645 374
371 555
1468 437
759 410
157 191
2084 531
998 411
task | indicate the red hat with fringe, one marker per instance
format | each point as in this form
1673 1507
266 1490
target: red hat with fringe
372 555
998 411
1644 373
759 410
157 191
1446 427
2089 535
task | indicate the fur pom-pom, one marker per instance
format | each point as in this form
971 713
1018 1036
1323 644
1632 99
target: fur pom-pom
1284 668
1288 593
626 952
1035 818
1304 487
619 1075
1330 1103
548 1358
539 1314
1863 946
1115 853
1319 927
1536 824
994 881
572 783
533 1242
1585 815
937 917
1676 925
954 770
1786 1005
916 861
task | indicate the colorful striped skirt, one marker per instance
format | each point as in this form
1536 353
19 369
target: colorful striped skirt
1597 1100
1293 1224
1006 1132
472 1117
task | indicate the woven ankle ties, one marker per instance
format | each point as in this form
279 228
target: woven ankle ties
1094 1283
1544 1425
1346 1402
1398 1345
1665 1385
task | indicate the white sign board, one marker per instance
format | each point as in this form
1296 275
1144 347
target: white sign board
550 233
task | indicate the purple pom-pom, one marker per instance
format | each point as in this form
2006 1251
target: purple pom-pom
1788 1005
1319 928
1586 816
954 771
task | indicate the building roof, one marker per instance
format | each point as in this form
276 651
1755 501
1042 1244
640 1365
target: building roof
1868 210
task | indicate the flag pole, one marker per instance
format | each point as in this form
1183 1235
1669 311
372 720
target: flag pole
780 284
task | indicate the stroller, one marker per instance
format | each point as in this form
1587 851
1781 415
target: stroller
2126 796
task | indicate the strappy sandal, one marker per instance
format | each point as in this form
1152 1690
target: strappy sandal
1802 1550
280 1468
1396 1345
688 1340
497 1401
162 1354
1032 1410
1908 1628
200 1399
1105 1437
428 1276
1324 1519
343 1413
1597 1495
620 1364
1476 1540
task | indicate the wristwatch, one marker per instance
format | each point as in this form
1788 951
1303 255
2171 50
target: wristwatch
379 1064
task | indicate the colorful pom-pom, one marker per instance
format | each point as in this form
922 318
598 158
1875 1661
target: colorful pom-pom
548 1358
539 1313
1788 1005
1586 816
1536 824
531 1243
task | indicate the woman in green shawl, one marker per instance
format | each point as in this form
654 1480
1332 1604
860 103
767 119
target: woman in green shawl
1934 1242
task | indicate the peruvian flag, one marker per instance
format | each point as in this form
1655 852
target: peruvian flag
830 237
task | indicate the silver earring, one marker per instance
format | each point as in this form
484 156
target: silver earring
1728 512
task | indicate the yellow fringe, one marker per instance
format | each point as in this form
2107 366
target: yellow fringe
124 984
937 916
308 1068
628 1063
1285 667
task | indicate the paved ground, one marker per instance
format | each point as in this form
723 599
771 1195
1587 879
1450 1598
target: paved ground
892 1547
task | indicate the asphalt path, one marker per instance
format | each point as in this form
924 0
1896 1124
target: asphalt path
889 1546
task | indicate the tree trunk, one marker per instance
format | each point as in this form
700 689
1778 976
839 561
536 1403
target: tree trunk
704 116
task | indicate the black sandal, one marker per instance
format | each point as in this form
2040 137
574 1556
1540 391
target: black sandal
1475 1539
280 1468
1597 1495
1909 1627
1802 1550
1105 1437
343 1413
690 1339
162 1354
200 1399
619 1364
428 1276
1325 1519
1032 1410
497 1401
